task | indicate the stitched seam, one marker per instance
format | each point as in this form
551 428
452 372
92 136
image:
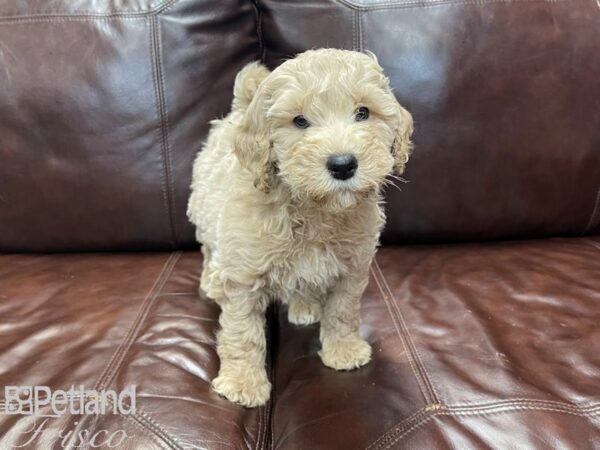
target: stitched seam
272 357
353 30
419 359
153 70
264 423
261 440
412 347
117 359
525 403
259 31
354 46
157 78
165 126
146 421
88 15
69 19
259 428
408 431
595 217
146 424
430 3
360 31
409 354
461 414
150 432
410 340
424 415
398 428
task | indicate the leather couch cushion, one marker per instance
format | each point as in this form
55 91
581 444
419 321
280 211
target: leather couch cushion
108 322
103 106
475 346
505 97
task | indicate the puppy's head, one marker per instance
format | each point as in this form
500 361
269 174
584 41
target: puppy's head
325 124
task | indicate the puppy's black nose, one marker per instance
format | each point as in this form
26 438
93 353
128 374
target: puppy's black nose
343 166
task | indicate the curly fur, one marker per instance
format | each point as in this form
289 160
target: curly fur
273 222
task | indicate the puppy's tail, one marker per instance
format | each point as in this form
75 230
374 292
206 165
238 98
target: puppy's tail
246 84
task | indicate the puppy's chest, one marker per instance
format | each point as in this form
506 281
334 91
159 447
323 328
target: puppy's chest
310 265
322 248
318 256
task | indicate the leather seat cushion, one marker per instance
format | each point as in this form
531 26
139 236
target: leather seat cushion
473 345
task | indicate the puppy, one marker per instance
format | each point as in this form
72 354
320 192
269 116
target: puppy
287 205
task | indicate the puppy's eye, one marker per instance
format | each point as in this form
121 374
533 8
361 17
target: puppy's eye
301 122
362 114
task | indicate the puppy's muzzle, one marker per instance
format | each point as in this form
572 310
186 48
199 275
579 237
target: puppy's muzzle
342 167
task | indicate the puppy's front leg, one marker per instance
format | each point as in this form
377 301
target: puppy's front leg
241 345
342 348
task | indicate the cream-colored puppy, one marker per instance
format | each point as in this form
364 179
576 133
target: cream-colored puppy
286 200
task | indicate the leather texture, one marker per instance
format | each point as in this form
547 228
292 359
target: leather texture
103 107
506 105
97 137
107 322
475 346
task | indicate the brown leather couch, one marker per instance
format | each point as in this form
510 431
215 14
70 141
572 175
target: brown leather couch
484 304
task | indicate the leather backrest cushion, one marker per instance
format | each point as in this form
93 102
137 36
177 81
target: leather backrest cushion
506 101
103 106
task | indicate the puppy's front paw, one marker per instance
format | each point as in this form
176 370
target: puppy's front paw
345 354
304 313
248 388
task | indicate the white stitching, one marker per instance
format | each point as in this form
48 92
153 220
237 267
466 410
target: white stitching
150 433
412 347
151 425
259 429
409 354
110 370
354 13
89 15
409 430
430 3
385 437
360 31
388 439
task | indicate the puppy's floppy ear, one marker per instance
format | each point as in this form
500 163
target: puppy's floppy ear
402 145
252 145
247 82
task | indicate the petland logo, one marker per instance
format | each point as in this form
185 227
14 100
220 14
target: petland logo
42 401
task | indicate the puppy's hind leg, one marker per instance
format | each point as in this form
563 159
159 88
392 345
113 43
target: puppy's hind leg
241 345
206 271
304 308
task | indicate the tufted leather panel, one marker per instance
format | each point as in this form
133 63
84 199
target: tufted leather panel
506 104
475 346
103 106
109 321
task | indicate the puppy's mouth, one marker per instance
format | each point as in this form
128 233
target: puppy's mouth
343 195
